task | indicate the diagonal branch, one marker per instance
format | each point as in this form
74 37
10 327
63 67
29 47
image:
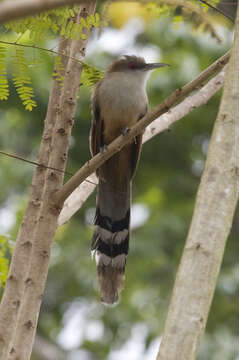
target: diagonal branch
122 140
74 202
217 9
15 9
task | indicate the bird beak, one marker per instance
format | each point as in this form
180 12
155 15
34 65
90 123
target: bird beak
152 66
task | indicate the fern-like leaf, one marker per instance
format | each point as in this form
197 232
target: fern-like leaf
59 68
4 87
90 75
58 21
22 81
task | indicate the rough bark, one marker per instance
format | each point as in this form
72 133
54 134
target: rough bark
47 224
14 288
44 223
76 199
212 219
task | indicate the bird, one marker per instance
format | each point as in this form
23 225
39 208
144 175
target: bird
119 101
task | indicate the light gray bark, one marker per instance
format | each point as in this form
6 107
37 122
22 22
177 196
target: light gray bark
47 221
212 219
39 226
14 289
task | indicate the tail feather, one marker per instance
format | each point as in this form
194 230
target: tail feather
111 282
110 240
111 249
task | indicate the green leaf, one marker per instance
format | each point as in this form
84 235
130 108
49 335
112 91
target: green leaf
4 87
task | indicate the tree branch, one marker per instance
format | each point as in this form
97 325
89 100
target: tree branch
15 9
211 223
218 10
74 202
192 102
17 157
122 140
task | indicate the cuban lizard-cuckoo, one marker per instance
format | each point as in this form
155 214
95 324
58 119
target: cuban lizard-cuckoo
119 100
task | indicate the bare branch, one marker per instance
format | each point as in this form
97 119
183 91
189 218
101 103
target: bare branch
77 198
185 107
74 202
217 9
122 140
211 224
32 162
15 9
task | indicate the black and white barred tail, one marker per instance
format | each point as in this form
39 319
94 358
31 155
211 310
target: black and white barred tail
110 244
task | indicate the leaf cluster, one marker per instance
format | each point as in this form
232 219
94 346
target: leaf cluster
62 22
4 87
22 80
54 22
193 11
5 251
48 24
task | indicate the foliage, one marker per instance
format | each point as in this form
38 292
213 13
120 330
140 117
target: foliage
5 251
54 22
62 22
178 10
90 75
4 87
22 80
51 23
194 11
59 68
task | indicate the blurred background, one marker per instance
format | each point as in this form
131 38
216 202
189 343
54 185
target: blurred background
73 323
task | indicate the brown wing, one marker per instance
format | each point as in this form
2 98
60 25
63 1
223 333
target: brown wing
136 148
97 125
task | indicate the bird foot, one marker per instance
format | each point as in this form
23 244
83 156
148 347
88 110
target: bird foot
125 131
103 148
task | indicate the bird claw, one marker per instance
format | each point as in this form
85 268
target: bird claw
103 148
125 131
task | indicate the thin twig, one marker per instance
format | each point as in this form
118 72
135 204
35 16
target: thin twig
41 165
33 162
50 51
218 10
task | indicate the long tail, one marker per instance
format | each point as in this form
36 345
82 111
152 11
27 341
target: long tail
110 240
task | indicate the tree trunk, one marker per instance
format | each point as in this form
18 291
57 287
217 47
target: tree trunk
215 206
38 228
